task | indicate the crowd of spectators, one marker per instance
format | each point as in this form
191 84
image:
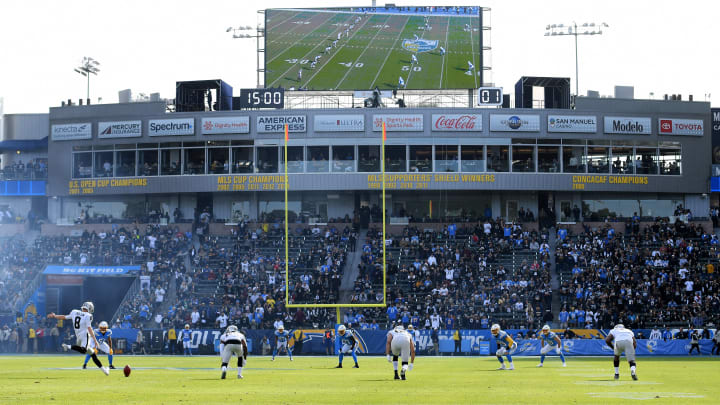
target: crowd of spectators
662 274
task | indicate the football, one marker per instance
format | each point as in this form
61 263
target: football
126 371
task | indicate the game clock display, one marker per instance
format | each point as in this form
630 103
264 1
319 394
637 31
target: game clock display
260 98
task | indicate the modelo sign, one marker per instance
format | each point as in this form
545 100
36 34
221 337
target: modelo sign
398 122
180 126
674 126
276 123
457 122
628 125
514 123
339 123
225 125
572 123
69 132
120 129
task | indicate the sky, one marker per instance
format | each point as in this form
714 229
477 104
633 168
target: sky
660 47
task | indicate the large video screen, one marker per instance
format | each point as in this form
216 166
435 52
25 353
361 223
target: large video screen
363 48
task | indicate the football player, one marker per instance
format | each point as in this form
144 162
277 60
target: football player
281 342
622 340
233 342
505 346
399 343
549 340
81 320
349 345
186 336
104 338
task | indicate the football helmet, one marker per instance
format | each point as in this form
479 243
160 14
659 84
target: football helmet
88 307
232 328
410 327
495 329
103 326
341 330
281 328
619 326
546 329
187 326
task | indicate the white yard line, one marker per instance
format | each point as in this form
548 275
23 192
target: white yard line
362 53
472 49
392 48
304 56
327 63
447 44
407 82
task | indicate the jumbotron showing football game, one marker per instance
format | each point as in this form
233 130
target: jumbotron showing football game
374 47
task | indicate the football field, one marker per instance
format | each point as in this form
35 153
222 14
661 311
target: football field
314 380
373 50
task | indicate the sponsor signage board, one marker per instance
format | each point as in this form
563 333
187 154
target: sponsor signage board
225 125
674 126
339 123
515 123
628 125
120 129
398 122
178 126
69 132
715 120
572 123
90 270
276 123
457 122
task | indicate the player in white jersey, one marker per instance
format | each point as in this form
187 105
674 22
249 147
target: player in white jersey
81 320
233 342
400 344
622 341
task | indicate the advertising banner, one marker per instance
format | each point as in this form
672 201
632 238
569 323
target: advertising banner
276 123
514 123
572 123
675 126
180 126
339 123
225 125
91 270
457 122
715 112
628 125
71 132
398 122
120 129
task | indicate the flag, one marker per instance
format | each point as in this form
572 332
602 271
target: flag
384 132
286 133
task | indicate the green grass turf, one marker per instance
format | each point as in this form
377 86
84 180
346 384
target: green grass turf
313 380
372 55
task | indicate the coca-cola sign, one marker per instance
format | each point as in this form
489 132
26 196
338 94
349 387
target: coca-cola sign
457 122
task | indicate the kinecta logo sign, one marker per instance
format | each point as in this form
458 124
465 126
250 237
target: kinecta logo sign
276 123
120 129
457 122
339 123
673 126
628 125
65 132
572 123
180 126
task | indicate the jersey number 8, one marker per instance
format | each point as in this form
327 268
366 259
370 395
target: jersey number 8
77 322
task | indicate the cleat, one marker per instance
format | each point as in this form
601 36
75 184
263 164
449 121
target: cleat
564 365
402 376
634 377
512 367
356 366
65 347
539 365
617 376
338 366
397 377
112 367
84 366
291 359
273 359
240 376
501 368
222 376
105 370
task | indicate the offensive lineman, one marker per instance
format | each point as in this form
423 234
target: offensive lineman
233 342
82 323
349 345
505 346
549 341
622 340
400 343
281 342
104 337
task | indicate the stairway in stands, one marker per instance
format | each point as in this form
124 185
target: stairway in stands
352 271
554 275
